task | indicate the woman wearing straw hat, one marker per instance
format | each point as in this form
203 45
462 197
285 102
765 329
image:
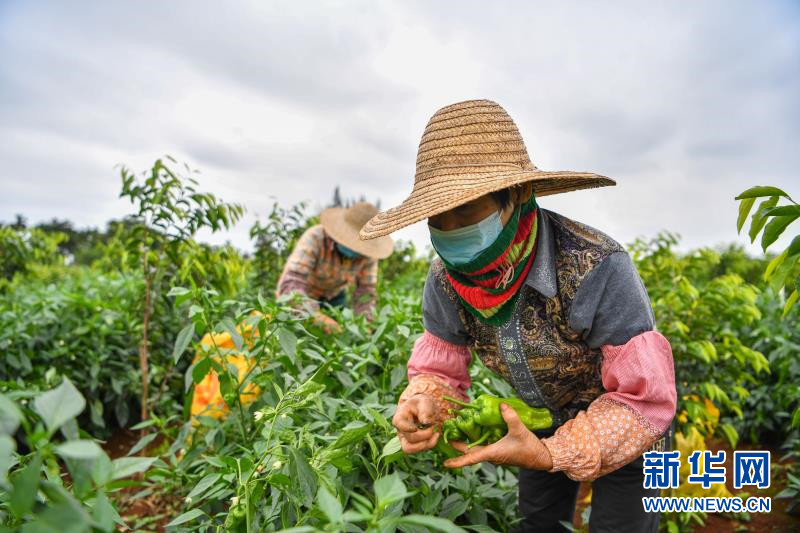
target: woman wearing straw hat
553 306
330 257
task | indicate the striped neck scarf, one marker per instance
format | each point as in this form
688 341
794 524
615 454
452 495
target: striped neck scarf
488 286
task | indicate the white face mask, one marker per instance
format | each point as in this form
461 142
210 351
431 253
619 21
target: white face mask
462 245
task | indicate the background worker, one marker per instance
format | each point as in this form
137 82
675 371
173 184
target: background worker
329 258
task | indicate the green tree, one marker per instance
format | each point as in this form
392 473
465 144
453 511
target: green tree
771 221
170 211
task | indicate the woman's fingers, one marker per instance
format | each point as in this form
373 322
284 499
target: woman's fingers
475 455
512 418
416 447
415 414
405 417
426 410
463 447
420 435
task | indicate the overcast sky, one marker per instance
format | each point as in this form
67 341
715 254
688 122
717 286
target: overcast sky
685 104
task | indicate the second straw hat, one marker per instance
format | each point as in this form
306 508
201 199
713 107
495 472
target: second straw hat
342 224
470 149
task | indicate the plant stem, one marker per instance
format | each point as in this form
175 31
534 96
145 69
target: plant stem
223 362
479 441
458 402
143 354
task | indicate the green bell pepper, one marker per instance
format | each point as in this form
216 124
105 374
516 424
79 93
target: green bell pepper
486 412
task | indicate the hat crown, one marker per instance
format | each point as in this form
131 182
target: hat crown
468 134
359 214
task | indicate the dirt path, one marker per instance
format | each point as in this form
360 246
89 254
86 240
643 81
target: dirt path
141 509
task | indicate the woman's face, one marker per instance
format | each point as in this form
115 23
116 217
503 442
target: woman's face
470 213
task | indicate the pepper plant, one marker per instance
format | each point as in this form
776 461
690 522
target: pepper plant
40 441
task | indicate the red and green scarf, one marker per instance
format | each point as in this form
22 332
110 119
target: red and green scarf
488 286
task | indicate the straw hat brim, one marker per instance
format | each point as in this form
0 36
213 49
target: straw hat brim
440 195
337 228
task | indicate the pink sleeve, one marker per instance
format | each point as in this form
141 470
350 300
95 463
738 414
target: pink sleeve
641 375
437 357
625 421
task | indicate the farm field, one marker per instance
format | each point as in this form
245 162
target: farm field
111 339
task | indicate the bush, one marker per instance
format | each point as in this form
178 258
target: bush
85 327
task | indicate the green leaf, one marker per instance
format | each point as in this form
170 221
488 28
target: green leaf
182 342
303 475
66 516
288 342
203 485
103 512
784 210
7 447
102 470
178 291
744 210
775 228
227 389
761 190
186 517
390 489
731 434
128 466
774 264
79 449
10 416
431 522
201 369
330 505
351 433
760 217
391 447
229 326
794 247
59 405
25 483
141 444
790 302
796 418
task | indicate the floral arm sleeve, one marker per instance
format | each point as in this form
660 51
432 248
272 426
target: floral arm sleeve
625 421
613 313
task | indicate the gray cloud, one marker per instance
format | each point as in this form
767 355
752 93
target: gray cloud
685 105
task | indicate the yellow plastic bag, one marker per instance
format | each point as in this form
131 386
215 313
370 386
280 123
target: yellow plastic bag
207 399
687 444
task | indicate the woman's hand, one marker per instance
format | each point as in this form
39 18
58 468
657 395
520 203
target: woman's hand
415 421
520 447
328 325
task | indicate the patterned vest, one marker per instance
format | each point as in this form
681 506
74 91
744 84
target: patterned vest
536 351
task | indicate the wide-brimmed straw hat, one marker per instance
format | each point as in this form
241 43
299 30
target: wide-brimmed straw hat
470 149
342 224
